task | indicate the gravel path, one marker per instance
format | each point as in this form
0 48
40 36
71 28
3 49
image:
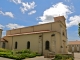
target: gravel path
76 56
1 58
37 58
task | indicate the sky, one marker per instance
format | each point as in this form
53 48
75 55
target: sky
21 13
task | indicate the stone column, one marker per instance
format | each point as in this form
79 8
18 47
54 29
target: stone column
40 44
61 39
53 43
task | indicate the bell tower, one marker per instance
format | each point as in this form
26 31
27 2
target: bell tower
60 18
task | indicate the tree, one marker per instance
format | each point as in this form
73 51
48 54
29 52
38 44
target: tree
79 29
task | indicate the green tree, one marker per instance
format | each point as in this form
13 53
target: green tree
79 29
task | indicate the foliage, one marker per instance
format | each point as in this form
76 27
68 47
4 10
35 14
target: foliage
18 55
63 57
79 29
23 51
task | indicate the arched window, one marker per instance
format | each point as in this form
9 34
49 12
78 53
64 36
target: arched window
3 46
47 45
16 45
63 34
28 45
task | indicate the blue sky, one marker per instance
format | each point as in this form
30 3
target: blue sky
21 13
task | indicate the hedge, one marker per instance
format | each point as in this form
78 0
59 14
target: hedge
18 55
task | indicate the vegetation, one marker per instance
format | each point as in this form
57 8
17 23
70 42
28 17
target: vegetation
63 57
18 55
79 29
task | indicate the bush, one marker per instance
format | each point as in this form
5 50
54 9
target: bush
63 57
4 54
19 55
2 50
31 55
37 54
58 56
23 51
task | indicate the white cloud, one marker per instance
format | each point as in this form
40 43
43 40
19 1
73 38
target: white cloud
16 1
7 14
45 22
73 20
14 26
58 9
27 6
1 26
32 12
3 33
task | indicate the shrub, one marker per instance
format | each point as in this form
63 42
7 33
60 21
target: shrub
58 56
19 55
63 57
37 54
23 51
31 55
2 50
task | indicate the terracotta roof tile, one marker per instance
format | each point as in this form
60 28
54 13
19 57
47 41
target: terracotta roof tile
3 40
74 42
29 33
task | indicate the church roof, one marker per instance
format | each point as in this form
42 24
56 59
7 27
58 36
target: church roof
3 40
27 33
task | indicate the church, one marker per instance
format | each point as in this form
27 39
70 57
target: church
48 37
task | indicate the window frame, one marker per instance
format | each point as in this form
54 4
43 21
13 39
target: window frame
3 45
28 45
47 45
16 45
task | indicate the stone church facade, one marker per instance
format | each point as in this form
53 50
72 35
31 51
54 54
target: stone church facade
49 37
